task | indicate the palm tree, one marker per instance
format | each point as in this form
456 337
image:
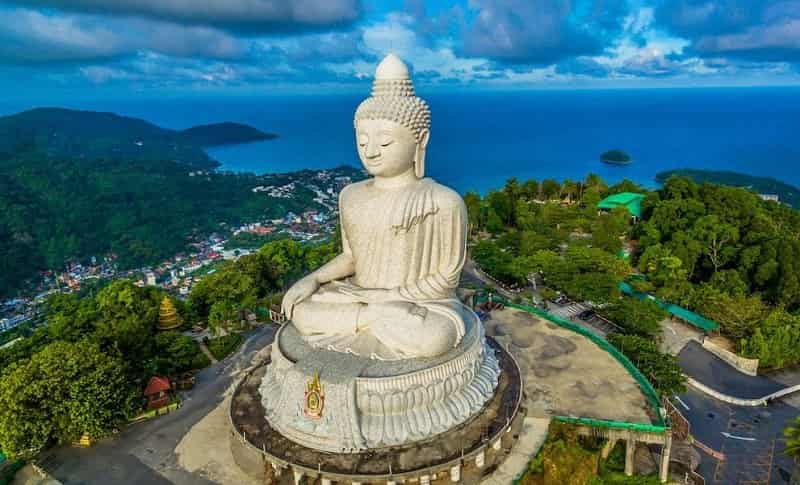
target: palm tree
593 181
792 434
568 190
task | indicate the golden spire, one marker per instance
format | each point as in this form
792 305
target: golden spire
167 315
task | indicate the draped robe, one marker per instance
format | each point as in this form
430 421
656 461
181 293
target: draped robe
411 239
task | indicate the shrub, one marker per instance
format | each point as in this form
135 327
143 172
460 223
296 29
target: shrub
222 347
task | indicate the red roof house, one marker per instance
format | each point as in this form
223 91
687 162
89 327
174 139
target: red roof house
157 392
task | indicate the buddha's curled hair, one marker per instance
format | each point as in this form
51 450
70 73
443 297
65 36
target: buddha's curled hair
394 99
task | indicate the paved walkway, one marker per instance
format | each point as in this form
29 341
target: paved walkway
531 438
710 370
208 353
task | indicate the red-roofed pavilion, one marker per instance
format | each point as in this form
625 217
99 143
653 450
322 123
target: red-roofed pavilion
157 392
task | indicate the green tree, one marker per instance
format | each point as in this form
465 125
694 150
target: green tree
550 189
228 286
661 369
63 391
569 190
530 190
125 320
222 316
716 239
637 317
494 223
792 435
177 353
738 315
775 342
474 209
502 205
607 230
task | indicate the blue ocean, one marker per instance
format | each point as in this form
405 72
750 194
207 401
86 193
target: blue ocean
480 139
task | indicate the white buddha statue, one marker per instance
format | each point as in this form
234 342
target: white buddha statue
390 294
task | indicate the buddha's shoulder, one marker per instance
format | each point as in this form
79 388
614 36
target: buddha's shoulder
354 189
445 197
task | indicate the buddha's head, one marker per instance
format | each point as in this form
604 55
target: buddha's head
393 125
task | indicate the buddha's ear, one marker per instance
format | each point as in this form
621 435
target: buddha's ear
419 156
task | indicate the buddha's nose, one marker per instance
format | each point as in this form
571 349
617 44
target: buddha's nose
372 150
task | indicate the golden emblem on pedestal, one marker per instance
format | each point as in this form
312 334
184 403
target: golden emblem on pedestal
315 398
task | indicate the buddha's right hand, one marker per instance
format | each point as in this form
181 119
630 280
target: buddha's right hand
299 291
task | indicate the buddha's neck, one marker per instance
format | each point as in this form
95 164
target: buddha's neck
404 179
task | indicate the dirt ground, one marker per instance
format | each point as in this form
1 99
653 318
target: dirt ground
565 373
205 450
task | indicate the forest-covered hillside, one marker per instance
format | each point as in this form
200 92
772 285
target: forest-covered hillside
91 135
788 194
52 210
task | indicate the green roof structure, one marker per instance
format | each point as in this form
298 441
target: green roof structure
688 316
630 200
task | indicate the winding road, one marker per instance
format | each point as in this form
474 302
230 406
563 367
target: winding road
751 438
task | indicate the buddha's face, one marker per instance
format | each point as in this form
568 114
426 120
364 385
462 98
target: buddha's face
386 148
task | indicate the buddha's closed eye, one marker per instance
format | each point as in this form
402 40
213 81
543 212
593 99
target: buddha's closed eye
363 140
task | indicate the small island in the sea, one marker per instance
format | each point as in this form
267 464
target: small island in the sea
616 157
225 133
767 187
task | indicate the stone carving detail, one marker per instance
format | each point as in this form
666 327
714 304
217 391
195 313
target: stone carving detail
372 412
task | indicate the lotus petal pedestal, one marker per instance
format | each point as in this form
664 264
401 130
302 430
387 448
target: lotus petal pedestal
343 403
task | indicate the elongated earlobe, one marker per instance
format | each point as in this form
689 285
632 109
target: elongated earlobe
419 156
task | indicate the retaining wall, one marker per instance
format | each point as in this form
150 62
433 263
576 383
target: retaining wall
746 366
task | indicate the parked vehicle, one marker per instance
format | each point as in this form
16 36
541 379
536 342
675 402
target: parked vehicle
561 300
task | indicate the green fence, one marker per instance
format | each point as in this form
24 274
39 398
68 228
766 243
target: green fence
8 470
659 424
688 316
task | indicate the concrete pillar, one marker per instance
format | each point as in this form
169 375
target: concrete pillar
298 476
665 450
630 448
455 473
607 448
391 482
277 469
497 444
425 480
325 481
480 459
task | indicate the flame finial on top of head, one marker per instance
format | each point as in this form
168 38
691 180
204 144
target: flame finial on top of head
391 67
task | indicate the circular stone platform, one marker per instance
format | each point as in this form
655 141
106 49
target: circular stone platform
338 402
471 448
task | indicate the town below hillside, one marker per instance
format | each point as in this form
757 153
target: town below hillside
301 206
85 189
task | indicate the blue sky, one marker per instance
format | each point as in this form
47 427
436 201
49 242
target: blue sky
115 47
